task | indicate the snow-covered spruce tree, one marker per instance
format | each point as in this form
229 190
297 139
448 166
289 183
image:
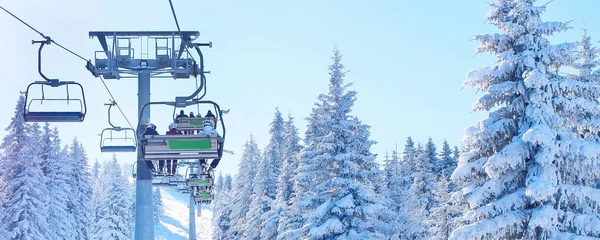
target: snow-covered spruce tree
222 209
35 132
60 193
336 196
587 63
455 155
420 196
396 192
446 162
82 191
25 211
217 206
157 204
527 170
95 171
243 185
444 213
286 194
263 188
587 66
113 215
98 190
407 166
430 151
262 223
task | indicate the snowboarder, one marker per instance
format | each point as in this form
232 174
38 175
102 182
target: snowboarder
150 130
172 164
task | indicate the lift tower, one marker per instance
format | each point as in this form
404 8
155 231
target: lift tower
117 60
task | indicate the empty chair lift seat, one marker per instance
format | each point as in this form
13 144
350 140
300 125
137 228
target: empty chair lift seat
117 149
185 124
54 116
166 147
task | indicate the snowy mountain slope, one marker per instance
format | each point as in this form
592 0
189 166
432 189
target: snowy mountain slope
175 221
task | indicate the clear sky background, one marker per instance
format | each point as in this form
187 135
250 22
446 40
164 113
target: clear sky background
407 60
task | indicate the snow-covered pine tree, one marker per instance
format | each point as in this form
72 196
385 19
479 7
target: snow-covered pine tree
217 205
242 188
446 162
528 168
455 155
420 196
285 186
219 184
430 151
22 183
95 171
35 131
158 204
396 192
263 193
222 208
263 222
60 193
407 166
587 66
98 189
587 63
113 215
82 191
335 193
443 214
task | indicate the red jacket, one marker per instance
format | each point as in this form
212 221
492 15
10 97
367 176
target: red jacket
172 131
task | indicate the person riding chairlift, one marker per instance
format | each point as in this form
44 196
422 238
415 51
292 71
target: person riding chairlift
189 132
209 131
181 115
150 130
172 164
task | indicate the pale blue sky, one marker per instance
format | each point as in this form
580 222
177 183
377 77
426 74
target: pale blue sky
407 60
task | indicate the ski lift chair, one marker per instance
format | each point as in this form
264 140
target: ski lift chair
203 198
193 146
126 143
44 115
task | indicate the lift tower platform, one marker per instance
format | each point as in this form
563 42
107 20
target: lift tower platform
160 54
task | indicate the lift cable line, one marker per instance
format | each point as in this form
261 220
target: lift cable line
115 102
44 36
48 39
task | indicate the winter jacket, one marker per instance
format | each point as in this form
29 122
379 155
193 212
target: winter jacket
150 131
172 132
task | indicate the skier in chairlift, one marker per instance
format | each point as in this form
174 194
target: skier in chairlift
209 131
172 164
150 130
